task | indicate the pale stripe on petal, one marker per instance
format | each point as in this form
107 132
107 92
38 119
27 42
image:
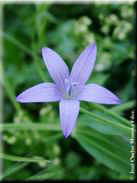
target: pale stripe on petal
69 110
84 65
98 94
57 69
44 92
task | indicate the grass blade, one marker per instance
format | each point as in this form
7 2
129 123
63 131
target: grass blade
28 126
13 169
113 151
23 47
123 107
49 172
22 159
121 127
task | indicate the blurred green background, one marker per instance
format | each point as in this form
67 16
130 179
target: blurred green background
99 147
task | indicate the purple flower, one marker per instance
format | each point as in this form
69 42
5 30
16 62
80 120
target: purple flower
69 88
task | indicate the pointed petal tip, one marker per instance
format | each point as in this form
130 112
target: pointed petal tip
46 49
93 45
18 98
119 101
66 135
43 49
116 100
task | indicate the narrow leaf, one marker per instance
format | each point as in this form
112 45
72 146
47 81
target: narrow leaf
108 123
123 107
28 126
21 159
49 172
112 151
13 169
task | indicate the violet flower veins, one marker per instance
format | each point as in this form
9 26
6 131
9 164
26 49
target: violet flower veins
69 88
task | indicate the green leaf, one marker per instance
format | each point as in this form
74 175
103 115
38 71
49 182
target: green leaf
105 123
28 126
49 172
102 126
126 50
124 106
22 159
13 169
24 48
10 92
105 110
112 151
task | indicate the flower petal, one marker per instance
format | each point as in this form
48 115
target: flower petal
69 110
58 70
44 92
84 65
98 94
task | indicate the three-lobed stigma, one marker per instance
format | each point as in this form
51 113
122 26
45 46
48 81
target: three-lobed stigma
69 86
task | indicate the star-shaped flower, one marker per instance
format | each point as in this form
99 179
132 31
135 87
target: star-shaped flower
69 88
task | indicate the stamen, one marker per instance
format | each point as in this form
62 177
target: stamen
69 86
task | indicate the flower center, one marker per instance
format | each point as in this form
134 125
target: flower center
69 86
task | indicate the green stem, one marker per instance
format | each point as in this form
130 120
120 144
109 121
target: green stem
11 94
28 51
20 159
17 43
38 66
12 169
28 126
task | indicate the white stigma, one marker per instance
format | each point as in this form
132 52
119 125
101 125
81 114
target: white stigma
69 87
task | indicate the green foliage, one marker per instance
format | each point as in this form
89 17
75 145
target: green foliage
105 124
100 144
13 169
112 151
